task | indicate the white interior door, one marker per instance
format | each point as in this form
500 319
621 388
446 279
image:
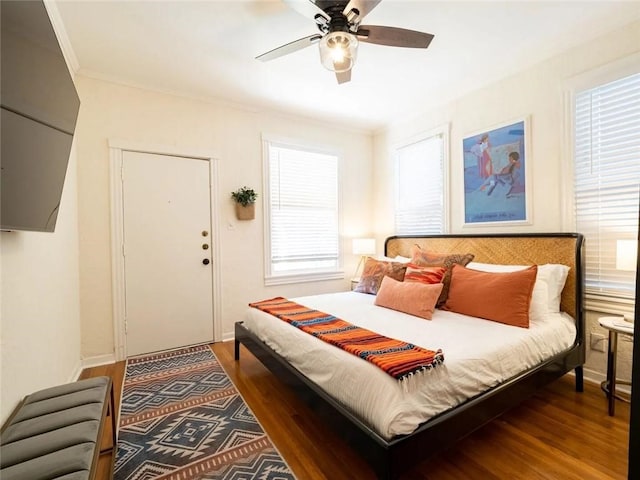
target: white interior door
167 252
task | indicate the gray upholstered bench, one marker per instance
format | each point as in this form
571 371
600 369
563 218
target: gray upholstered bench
56 433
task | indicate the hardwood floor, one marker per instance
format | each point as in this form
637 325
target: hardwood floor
556 434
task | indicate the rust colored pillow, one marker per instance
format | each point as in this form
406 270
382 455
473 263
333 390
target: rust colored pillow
414 298
425 258
429 275
374 271
502 297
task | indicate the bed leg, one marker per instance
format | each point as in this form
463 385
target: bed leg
236 350
384 474
384 470
579 379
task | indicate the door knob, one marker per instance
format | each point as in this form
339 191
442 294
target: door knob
205 246
205 261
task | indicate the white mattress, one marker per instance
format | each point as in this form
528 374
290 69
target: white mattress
478 355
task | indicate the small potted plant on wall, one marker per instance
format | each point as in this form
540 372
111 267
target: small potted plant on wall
245 199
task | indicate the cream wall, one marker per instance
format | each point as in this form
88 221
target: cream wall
39 313
231 134
538 93
56 287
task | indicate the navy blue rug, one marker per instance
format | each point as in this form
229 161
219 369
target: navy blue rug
181 417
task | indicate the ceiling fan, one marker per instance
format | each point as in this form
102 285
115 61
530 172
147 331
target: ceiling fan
341 31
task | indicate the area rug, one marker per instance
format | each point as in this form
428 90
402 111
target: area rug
181 417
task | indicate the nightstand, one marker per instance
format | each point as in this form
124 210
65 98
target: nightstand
615 325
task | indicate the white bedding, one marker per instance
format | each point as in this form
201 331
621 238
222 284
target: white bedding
478 355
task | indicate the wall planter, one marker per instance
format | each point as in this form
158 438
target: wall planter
245 213
245 199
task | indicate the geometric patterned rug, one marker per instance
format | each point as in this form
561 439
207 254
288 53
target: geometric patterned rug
181 417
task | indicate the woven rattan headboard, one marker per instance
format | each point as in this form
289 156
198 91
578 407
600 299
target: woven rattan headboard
516 249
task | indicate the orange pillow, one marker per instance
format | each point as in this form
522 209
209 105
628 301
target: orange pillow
373 272
502 297
414 298
429 275
425 258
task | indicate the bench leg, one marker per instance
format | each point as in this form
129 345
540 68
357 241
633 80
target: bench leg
114 426
111 412
579 379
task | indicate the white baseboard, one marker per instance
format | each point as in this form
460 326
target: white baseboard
98 360
228 336
75 375
595 377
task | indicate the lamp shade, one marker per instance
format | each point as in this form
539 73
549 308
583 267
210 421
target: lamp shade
338 51
626 254
364 246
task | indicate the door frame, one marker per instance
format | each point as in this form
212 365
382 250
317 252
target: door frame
116 149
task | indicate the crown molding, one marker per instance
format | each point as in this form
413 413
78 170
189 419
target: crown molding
61 34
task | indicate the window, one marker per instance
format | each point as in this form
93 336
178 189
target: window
607 180
302 209
420 186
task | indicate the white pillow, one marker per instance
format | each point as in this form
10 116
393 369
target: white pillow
547 290
556 276
397 258
382 258
494 267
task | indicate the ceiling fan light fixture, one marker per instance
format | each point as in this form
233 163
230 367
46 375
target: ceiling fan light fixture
338 51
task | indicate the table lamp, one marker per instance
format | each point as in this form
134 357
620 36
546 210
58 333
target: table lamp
363 247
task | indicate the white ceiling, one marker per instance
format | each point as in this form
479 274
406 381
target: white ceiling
207 49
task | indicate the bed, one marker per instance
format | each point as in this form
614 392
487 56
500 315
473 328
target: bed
394 443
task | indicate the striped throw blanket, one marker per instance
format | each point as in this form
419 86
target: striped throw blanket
399 359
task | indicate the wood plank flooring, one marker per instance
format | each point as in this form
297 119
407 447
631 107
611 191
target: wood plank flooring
556 434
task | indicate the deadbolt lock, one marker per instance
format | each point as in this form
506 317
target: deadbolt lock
205 246
205 261
205 233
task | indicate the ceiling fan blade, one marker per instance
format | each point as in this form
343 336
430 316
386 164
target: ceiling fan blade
362 6
289 47
308 8
343 77
392 36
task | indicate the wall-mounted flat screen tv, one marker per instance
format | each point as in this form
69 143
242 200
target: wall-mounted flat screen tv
39 111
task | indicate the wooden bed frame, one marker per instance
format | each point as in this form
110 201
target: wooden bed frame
389 458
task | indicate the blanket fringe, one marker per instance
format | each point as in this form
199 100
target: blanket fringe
412 380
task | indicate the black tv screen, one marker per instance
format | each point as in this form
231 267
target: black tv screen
39 111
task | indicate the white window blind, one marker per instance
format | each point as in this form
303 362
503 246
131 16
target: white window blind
303 211
419 172
607 180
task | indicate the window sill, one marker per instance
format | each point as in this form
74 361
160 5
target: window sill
303 278
610 305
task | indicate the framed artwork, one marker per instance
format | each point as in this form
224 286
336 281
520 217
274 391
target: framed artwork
496 175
